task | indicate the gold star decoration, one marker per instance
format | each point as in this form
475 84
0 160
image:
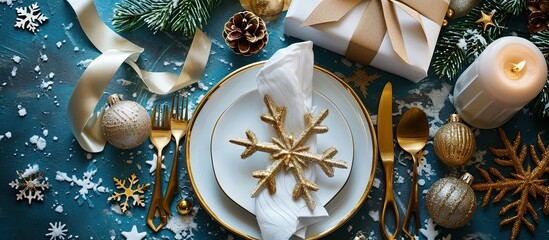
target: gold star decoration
289 153
486 20
129 192
362 80
522 183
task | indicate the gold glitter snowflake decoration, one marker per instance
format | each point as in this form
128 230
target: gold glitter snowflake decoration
362 80
129 192
289 153
30 184
522 182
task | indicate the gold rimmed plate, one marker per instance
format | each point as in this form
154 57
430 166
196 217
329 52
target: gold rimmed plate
235 218
233 174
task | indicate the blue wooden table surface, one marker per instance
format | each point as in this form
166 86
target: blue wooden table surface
67 50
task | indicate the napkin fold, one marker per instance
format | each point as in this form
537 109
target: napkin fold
288 78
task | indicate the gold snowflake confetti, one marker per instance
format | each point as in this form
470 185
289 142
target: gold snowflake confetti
289 153
129 192
30 184
362 80
523 182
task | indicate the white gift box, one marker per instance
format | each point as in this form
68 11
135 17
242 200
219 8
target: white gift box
336 36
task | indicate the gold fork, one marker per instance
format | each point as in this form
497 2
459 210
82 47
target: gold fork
160 137
179 124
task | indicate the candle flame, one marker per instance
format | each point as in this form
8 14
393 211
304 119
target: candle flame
518 67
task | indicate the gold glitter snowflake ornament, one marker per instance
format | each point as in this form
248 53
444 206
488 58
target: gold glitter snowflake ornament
289 153
30 184
129 192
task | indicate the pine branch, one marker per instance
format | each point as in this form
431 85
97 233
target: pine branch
163 15
462 43
540 104
514 7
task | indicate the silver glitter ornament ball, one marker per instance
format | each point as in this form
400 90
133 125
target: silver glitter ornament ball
125 124
462 7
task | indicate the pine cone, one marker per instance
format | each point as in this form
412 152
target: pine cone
538 20
246 33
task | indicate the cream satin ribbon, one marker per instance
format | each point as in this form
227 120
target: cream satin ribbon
378 18
117 50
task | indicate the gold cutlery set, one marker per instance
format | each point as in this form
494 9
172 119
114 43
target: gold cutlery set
412 134
165 124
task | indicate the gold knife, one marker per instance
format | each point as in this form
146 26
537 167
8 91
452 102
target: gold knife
387 153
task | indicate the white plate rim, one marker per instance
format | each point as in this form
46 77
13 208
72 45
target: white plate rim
364 113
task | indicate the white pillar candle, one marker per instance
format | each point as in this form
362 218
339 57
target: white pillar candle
507 75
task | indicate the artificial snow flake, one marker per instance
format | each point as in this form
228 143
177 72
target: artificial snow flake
129 192
57 230
31 184
429 231
29 17
86 184
289 154
362 80
153 164
134 234
523 182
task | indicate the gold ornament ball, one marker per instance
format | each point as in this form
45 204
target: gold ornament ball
125 124
462 7
444 23
184 207
450 13
267 9
451 202
455 142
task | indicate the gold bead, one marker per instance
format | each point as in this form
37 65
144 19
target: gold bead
450 13
444 23
184 207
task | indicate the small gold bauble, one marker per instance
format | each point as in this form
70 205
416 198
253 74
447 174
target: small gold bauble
462 7
267 9
184 207
454 142
444 23
125 124
450 13
451 202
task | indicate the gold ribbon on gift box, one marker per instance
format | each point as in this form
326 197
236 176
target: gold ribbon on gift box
117 50
378 18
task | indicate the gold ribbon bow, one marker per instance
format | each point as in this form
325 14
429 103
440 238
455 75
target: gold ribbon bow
116 50
378 18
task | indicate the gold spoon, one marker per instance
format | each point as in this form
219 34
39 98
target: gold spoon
412 134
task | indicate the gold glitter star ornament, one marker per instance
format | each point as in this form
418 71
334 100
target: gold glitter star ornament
289 153
486 20
129 192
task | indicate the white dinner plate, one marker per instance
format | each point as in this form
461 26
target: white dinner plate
235 218
234 175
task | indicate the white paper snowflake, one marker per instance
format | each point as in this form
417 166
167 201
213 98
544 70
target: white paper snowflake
429 231
30 184
29 17
183 226
57 230
86 184
152 163
134 234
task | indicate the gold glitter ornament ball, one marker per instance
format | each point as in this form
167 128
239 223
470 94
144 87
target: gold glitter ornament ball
451 202
462 7
454 142
125 124
267 9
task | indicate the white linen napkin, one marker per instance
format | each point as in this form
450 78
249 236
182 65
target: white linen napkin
287 77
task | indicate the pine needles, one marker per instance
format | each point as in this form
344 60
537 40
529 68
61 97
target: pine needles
163 15
540 104
462 43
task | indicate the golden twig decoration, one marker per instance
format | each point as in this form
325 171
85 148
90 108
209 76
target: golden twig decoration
289 153
523 182
129 192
